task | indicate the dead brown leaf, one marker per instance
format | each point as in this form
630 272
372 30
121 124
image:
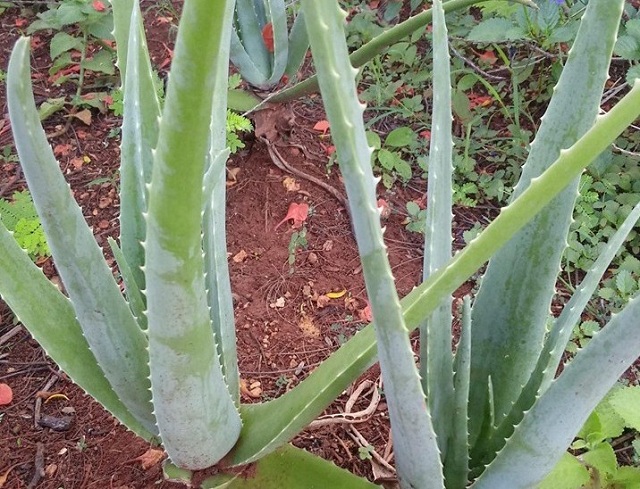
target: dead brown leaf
150 458
84 115
240 256
290 184
308 328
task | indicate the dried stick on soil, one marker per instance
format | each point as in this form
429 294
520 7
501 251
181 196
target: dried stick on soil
38 466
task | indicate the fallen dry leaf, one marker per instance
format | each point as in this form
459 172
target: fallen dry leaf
322 301
308 328
252 390
365 314
150 458
290 184
297 212
62 149
84 115
336 295
385 209
232 173
240 256
6 395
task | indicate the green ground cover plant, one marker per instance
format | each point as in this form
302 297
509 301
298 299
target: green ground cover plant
162 356
80 27
19 216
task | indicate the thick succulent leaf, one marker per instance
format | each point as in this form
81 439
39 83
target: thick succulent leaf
456 463
122 10
213 222
139 139
109 326
197 418
512 305
546 431
298 45
217 273
136 299
290 468
556 342
415 448
560 333
278 19
436 358
272 424
51 320
248 50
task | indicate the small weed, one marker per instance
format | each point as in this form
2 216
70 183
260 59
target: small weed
20 217
297 242
416 217
364 453
8 155
78 46
81 445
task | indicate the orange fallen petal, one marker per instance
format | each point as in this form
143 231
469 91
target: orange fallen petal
6 395
297 212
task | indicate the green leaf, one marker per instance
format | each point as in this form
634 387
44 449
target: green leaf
627 47
403 169
196 415
400 137
63 42
626 402
290 468
516 291
632 27
110 328
101 62
568 473
602 458
625 282
491 30
388 159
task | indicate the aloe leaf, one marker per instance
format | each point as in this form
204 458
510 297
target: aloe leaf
122 10
280 55
436 358
298 45
456 463
555 344
197 417
291 468
415 448
560 333
512 305
136 299
217 273
217 279
51 320
546 431
111 330
139 139
248 50
271 424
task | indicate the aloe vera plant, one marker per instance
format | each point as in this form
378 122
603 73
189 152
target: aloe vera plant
162 357
262 47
